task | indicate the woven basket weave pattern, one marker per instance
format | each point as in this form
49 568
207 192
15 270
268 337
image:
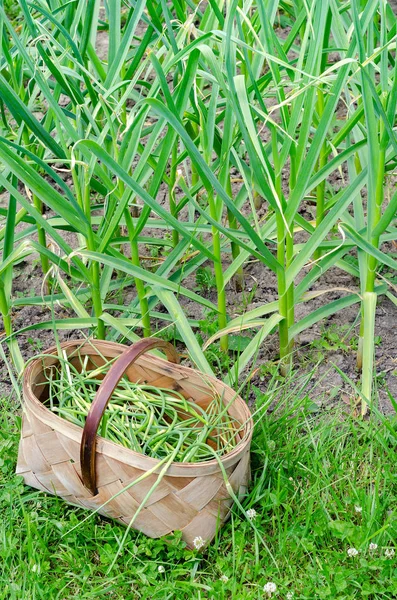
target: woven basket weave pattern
190 497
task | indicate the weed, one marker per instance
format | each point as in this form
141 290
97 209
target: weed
36 345
205 279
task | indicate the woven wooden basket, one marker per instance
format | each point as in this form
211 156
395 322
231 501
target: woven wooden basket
87 470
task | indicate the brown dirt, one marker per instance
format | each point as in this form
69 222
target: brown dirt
311 344
262 284
393 4
260 288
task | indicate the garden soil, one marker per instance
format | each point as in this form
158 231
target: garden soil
312 346
327 387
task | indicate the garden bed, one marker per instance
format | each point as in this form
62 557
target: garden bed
220 175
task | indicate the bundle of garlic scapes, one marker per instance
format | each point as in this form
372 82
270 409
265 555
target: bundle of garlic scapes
149 420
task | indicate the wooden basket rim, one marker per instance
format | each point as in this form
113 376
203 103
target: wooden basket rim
121 453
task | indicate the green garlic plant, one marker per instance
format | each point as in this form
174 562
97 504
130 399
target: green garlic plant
209 124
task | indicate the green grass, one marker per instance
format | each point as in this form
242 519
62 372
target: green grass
311 469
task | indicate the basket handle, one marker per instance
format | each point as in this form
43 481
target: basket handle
102 397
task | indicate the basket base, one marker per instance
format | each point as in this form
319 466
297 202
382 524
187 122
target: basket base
196 506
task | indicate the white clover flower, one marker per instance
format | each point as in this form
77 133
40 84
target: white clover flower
251 514
224 578
352 552
271 444
389 552
358 509
290 595
373 546
269 588
161 569
198 542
